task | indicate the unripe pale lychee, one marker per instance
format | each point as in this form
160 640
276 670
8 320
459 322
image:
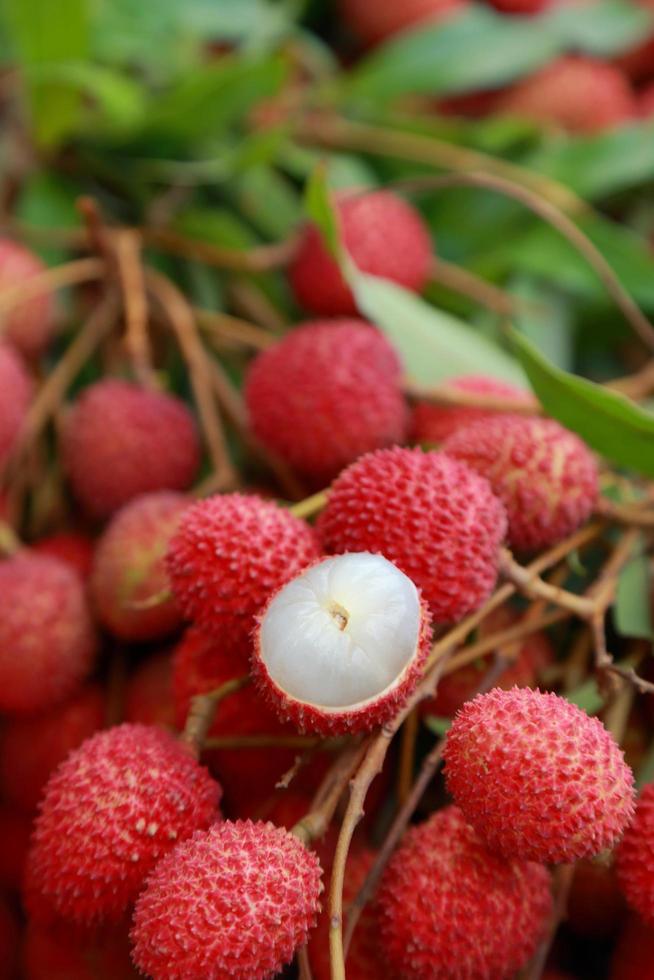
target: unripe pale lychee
117 804
325 394
149 692
427 513
383 234
71 547
451 910
434 423
545 476
60 952
375 22
537 777
231 903
635 858
129 570
230 553
121 440
29 326
341 647
578 94
15 395
31 748
47 639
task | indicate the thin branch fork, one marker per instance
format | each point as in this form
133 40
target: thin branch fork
536 588
127 250
203 710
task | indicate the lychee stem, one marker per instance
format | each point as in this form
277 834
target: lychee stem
127 252
310 506
202 712
534 586
315 823
457 398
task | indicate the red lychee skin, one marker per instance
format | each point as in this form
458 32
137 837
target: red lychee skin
545 476
230 553
47 638
125 797
232 903
324 395
30 325
15 831
449 909
595 905
434 423
427 513
128 568
149 692
31 748
633 955
383 235
638 62
646 97
121 440
61 953
525 7
15 394
576 94
363 718
71 547
635 864
375 22
537 777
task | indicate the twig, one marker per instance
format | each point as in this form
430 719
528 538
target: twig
70 274
202 712
9 541
453 397
304 966
634 514
262 258
127 247
504 637
224 326
310 505
534 587
407 755
253 302
466 283
323 806
602 593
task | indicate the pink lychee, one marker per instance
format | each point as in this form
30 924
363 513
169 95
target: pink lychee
30 325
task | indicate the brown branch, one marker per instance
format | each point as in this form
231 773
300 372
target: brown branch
602 594
225 327
535 588
456 398
460 280
323 806
70 274
262 258
407 755
251 300
505 637
127 251
634 515
304 966
202 712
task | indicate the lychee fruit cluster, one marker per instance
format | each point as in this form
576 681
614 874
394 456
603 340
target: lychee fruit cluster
432 424
29 326
635 862
430 515
324 395
72 547
537 777
15 396
121 440
235 901
545 476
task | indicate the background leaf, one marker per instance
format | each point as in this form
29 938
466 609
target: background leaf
632 610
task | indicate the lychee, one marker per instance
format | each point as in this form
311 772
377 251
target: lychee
577 94
633 955
31 748
450 910
427 513
545 476
30 325
635 861
71 547
325 394
149 692
231 903
383 235
47 639
341 647
15 395
118 803
432 423
537 777
230 553
129 570
121 440
60 952
375 22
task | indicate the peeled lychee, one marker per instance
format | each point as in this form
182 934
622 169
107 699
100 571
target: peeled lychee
58 952
427 513
537 777
434 423
231 903
31 748
577 94
117 804
71 547
325 394
15 395
635 858
374 22
384 236
149 692
451 910
29 326
230 553
129 570
341 647
121 440
47 639
545 476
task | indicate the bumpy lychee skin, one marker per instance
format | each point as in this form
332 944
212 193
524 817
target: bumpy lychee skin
341 647
230 553
383 235
577 94
121 440
29 326
450 910
427 513
325 394
537 777
635 863
125 797
129 570
375 22
31 748
545 476
232 903
15 395
71 547
47 638
434 423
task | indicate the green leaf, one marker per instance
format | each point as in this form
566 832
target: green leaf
269 201
432 344
587 697
645 773
603 29
318 205
48 201
610 423
545 317
439 726
633 601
